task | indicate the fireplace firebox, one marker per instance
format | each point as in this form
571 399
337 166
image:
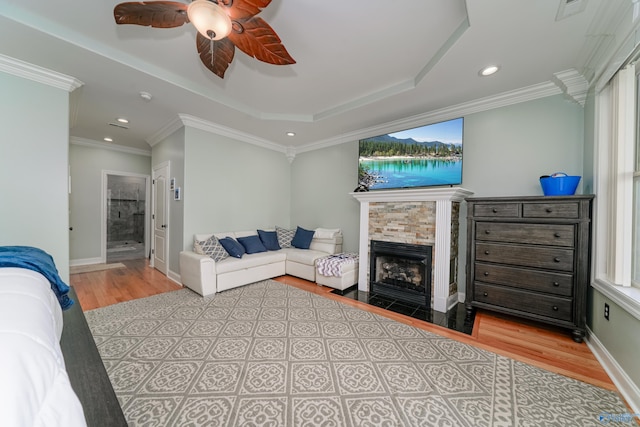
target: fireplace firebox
401 271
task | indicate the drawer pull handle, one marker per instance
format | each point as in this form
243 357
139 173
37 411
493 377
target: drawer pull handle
486 273
556 284
556 234
556 259
555 308
549 210
486 252
494 210
486 294
487 231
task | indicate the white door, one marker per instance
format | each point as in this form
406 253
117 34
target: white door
160 218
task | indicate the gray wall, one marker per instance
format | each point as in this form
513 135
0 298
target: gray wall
507 149
86 165
320 186
34 119
619 335
231 186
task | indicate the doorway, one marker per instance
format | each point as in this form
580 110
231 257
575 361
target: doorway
160 217
126 218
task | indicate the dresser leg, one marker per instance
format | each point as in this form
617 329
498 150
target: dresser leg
577 335
469 309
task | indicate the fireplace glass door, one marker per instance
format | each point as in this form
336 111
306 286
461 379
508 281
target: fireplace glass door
401 271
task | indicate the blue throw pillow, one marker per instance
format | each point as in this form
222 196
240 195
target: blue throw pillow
302 238
252 244
269 239
232 247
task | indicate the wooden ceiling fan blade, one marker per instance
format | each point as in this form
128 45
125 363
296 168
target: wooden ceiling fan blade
257 39
243 9
215 55
157 14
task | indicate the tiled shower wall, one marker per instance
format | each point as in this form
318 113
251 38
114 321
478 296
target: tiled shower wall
125 211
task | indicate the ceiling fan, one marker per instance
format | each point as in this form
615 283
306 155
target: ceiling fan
222 26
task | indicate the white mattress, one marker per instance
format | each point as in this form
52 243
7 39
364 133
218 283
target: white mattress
34 385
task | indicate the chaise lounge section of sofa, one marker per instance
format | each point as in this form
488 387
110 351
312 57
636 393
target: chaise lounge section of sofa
205 275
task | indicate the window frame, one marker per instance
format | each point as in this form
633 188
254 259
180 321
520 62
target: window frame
616 167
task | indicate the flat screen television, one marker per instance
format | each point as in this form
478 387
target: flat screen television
424 156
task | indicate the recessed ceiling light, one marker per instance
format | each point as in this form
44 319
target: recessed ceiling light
107 139
489 70
122 120
291 134
146 96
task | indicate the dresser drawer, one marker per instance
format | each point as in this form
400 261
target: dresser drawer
497 210
526 256
541 281
536 234
551 210
529 302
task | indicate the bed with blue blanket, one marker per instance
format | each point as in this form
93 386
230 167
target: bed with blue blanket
35 389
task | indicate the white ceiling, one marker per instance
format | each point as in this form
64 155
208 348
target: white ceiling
363 66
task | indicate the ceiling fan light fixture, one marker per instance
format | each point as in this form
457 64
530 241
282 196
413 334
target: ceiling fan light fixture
209 19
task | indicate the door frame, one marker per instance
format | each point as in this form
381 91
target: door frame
104 214
152 227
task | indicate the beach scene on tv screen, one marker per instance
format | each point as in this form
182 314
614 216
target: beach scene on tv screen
424 156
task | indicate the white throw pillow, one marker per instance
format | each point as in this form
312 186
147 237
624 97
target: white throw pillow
326 233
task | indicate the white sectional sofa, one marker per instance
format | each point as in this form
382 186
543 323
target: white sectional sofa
202 274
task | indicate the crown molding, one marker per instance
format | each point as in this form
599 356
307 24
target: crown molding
504 99
106 146
573 85
38 74
198 123
165 131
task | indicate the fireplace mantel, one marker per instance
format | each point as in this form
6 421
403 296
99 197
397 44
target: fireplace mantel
451 194
443 198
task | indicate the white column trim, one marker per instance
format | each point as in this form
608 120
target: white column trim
363 259
442 256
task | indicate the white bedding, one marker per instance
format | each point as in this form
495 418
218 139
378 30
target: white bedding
34 385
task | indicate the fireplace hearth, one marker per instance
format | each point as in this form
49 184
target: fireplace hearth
401 271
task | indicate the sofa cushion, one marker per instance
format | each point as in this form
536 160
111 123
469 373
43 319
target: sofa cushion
252 244
249 261
307 257
284 236
234 248
302 238
211 247
269 239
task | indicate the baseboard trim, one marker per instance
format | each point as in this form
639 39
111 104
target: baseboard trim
174 276
623 382
84 261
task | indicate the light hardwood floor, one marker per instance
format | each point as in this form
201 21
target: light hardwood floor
536 344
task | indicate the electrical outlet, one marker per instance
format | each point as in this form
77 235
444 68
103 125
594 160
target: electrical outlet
606 311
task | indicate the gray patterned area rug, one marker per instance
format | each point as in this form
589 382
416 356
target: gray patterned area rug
268 354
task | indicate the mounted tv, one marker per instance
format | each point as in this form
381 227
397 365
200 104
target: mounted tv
424 156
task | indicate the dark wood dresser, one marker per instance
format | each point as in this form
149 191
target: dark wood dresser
529 257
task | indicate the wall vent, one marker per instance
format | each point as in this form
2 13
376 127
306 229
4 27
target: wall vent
570 7
118 125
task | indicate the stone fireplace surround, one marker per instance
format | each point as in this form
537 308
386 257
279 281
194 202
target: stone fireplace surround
417 216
